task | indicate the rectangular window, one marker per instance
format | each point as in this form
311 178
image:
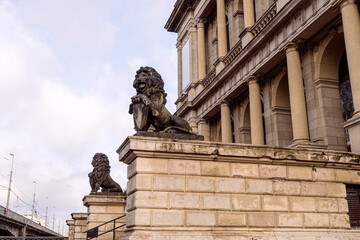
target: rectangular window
353 198
185 65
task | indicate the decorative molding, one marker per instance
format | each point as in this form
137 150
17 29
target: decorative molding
326 82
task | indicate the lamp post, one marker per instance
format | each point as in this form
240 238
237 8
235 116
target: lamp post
46 216
9 189
33 206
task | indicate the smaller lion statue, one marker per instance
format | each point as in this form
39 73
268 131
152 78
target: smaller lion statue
148 105
100 176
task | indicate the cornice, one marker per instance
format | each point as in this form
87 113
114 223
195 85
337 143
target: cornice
180 8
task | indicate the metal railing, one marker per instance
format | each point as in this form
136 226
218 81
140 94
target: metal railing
94 232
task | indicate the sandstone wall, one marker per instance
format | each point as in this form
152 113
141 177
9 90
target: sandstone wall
202 187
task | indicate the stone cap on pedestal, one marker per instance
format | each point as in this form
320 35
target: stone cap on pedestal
135 146
105 200
79 216
70 222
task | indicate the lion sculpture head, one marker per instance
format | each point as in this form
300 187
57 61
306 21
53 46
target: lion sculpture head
149 82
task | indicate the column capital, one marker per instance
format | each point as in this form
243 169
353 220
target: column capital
203 120
252 79
179 45
192 26
224 103
290 46
200 22
342 3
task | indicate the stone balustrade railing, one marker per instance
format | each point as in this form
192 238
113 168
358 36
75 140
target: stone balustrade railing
264 20
208 79
233 53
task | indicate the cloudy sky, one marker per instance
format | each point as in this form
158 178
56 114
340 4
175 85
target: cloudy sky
66 73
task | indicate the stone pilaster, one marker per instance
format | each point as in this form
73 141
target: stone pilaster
257 133
226 132
179 54
201 49
297 97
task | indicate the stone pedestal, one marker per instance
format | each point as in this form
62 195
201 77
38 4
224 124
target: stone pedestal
71 225
203 190
80 220
103 208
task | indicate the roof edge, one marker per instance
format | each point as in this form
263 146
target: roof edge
171 24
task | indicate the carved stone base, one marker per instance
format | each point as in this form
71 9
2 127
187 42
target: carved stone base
108 194
183 136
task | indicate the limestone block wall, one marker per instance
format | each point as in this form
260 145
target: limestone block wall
80 220
206 187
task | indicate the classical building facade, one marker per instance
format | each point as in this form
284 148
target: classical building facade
270 72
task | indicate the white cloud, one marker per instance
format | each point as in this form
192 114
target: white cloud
136 63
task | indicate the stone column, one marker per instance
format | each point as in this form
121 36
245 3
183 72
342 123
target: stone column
226 132
204 129
256 120
249 17
351 25
297 97
221 25
178 46
249 13
201 49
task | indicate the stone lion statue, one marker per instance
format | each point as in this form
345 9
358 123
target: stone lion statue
100 176
148 105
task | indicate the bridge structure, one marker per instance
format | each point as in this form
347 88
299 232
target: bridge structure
16 225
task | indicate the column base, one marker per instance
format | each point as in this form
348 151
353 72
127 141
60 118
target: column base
353 126
305 143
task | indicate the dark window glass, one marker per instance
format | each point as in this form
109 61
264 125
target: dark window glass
227 34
